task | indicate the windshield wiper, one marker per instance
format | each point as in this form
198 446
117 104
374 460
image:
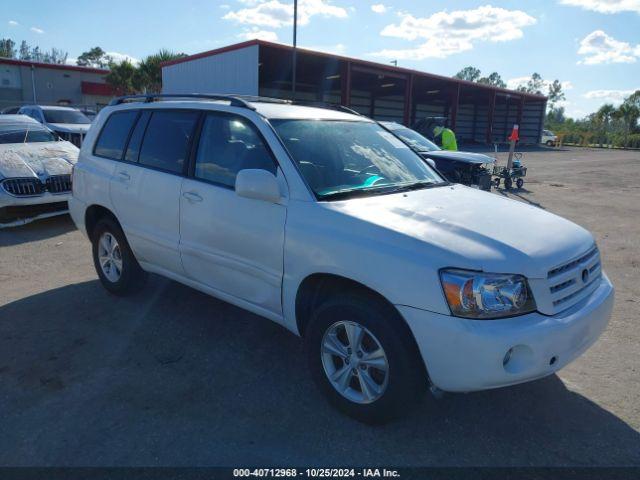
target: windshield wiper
407 187
352 193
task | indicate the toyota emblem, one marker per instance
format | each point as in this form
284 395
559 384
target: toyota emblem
585 275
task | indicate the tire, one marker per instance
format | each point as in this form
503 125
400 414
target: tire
519 183
508 183
121 274
496 183
550 143
393 391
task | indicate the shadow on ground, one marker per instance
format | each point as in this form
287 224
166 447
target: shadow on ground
174 377
36 230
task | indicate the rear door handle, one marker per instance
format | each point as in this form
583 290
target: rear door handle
124 175
192 197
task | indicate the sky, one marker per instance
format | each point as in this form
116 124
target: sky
591 46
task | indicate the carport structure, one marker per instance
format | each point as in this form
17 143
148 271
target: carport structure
478 113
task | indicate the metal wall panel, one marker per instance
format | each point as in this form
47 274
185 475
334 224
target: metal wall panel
235 71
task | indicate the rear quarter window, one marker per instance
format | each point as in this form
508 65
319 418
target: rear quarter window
114 134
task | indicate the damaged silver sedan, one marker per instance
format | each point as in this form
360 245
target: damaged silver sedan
35 171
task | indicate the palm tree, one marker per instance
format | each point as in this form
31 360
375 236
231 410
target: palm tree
150 70
628 114
604 116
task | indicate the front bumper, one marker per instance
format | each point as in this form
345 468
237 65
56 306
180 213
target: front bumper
20 210
466 355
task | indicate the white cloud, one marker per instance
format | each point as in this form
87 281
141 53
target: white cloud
118 57
378 8
259 34
275 14
598 47
609 96
446 33
37 30
337 49
13 23
514 83
606 6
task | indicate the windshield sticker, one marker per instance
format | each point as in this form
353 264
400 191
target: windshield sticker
391 139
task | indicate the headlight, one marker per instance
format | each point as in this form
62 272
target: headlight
486 295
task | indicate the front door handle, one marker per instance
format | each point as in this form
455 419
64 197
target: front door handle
124 176
192 197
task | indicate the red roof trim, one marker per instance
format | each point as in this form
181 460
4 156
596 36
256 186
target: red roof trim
355 61
95 88
53 66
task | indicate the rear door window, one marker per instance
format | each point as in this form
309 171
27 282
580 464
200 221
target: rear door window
133 149
167 139
114 134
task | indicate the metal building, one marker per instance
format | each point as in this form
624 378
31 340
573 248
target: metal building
26 83
478 113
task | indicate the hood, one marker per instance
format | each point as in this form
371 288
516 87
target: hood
467 157
467 228
39 160
69 127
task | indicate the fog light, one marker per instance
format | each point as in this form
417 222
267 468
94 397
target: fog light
507 357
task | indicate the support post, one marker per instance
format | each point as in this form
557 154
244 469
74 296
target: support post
492 108
345 84
455 101
295 50
408 101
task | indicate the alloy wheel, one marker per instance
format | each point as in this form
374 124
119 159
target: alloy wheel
110 257
354 361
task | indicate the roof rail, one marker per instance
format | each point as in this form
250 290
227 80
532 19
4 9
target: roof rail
233 100
257 98
327 105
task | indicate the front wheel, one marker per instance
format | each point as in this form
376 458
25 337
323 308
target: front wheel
363 358
114 261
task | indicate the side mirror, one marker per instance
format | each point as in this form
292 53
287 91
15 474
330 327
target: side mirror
258 184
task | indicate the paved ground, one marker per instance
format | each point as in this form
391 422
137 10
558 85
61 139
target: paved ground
173 377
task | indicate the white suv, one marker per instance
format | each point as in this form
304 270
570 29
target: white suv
325 223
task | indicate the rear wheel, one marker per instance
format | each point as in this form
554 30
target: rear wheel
114 261
508 183
363 359
519 183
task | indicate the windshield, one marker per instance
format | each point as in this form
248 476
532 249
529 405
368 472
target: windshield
20 132
65 116
412 138
338 157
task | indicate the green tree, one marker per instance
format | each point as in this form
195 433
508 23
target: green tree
7 48
494 79
471 74
150 70
123 77
534 85
555 94
25 51
95 57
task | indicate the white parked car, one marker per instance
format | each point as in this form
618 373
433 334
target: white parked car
68 123
327 224
35 171
548 138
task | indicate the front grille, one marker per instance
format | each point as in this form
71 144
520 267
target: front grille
574 280
22 187
59 184
75 138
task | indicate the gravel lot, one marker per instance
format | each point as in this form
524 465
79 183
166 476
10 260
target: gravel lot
173 377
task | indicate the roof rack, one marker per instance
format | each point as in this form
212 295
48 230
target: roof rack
234 101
